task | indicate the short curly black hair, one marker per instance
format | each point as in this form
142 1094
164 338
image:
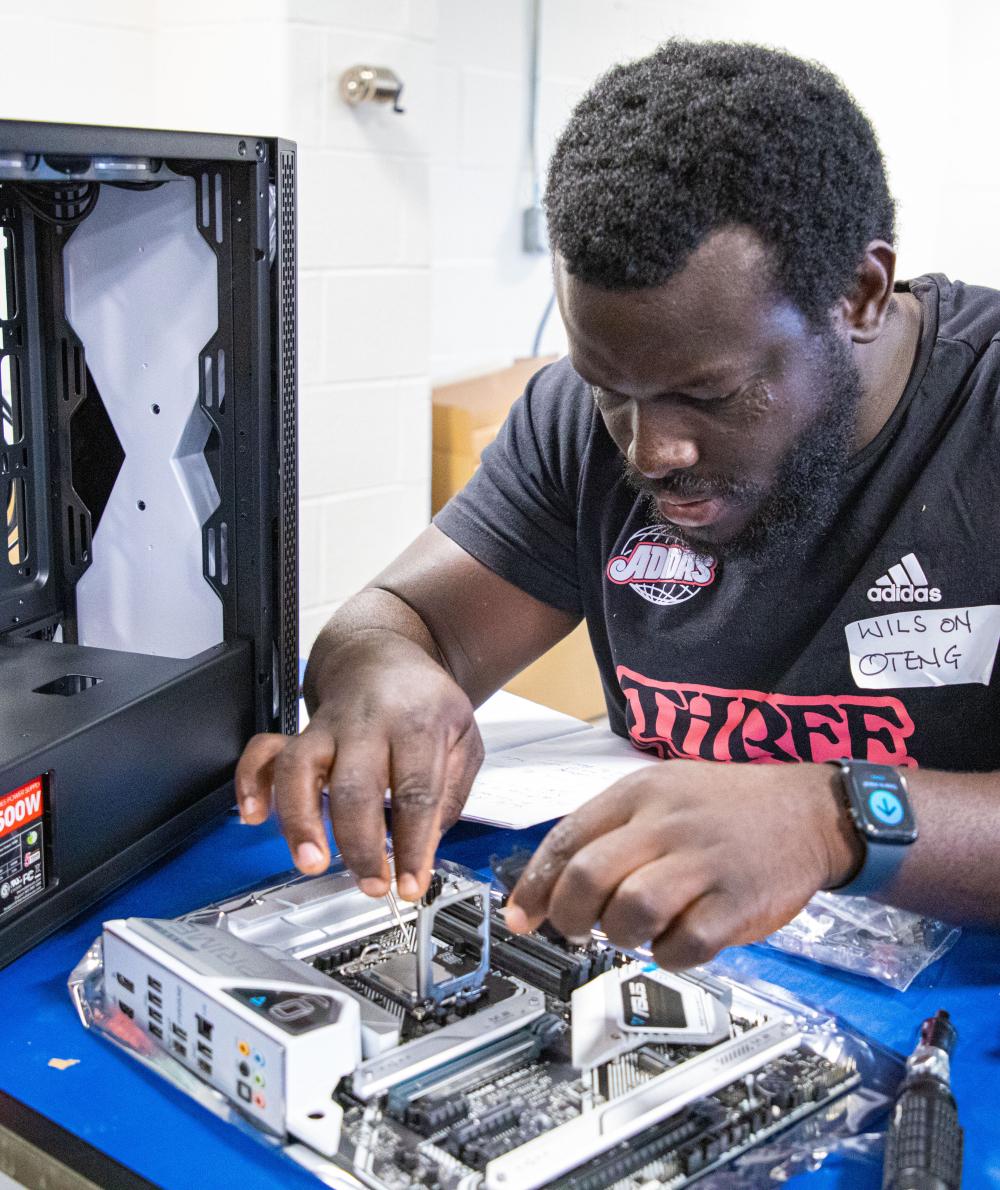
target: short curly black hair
701 135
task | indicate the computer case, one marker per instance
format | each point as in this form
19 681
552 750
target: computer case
148 501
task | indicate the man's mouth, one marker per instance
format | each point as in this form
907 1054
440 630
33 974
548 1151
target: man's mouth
690 511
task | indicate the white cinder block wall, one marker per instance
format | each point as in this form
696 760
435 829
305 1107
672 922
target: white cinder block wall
364 293
364 253
921 69
410 258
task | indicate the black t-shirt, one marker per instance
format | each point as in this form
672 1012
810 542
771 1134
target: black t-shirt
877 642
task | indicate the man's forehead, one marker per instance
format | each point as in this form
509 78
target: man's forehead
711 321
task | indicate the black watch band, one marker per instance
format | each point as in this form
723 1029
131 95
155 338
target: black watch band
878 803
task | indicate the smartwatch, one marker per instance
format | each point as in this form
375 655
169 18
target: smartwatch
879 807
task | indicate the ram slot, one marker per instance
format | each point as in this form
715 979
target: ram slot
555 971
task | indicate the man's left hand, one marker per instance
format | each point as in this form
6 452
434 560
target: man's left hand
691 857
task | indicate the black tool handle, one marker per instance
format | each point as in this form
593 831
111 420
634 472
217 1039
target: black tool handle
924 1142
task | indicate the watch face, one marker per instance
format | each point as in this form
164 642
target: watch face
880 802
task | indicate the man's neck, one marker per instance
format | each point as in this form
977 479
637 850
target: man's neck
885 365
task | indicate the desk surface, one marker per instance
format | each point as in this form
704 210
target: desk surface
132 1116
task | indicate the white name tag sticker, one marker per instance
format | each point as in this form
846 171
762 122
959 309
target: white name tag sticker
949 646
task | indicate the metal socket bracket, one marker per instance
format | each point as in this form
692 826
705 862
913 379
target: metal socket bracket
471 981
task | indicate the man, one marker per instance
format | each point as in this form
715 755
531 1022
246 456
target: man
768 479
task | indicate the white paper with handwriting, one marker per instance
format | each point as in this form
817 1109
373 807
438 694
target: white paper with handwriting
520 787
509 721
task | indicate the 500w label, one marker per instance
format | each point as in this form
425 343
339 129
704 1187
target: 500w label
22 845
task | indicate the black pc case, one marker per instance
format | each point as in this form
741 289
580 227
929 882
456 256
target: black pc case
148 502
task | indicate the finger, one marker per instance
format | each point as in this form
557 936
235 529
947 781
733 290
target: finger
645 904
255 776
463 764
593 879
527 906
698 933
300 772
417 762
357 786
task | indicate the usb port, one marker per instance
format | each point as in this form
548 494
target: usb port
180 1049
154 983
204 1049
155 1016
205 1067
154 999
179 1032
126 983
204 1027
156 1031
129 1012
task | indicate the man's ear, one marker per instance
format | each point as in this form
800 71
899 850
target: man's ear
863 311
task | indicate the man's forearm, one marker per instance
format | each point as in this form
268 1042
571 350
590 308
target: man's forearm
952 871
369 613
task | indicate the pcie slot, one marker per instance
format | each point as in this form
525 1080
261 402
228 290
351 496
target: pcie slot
438 1051
541 1160
630 1157
465 1073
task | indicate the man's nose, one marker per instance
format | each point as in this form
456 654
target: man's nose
660 443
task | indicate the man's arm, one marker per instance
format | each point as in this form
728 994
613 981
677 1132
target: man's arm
695 856
390 687
953 869
480 628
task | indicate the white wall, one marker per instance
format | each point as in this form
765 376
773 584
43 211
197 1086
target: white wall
410 256
922 69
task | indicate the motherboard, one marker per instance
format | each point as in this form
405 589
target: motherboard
429 1046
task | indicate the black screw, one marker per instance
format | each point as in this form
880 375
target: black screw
141 505
241 148
155 408
260 150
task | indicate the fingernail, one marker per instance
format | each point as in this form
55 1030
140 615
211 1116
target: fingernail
516 918
373 886
407 886
308 855
249 806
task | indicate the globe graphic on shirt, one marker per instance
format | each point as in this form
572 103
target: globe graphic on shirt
657 565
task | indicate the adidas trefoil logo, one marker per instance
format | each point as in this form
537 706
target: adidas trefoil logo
904 583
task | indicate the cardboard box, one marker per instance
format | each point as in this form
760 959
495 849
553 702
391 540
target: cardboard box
466 418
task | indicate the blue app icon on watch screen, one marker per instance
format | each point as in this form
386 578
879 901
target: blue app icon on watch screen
885 807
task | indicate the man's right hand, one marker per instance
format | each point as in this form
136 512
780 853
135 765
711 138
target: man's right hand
389 718
390 685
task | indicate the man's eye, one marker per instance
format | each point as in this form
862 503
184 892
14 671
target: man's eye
729 398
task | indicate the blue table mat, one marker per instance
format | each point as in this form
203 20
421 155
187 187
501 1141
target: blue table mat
128 1113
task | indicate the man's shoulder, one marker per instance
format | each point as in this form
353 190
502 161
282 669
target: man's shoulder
964 313
559 406
558 384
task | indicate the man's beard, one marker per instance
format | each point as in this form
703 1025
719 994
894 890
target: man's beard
805 495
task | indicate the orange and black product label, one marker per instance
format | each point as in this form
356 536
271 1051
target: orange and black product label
23 822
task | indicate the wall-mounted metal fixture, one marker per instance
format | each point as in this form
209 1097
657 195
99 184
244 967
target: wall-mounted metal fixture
378 84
